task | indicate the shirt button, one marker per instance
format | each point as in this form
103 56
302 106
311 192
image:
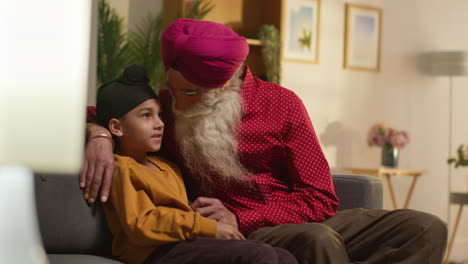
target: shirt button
267 196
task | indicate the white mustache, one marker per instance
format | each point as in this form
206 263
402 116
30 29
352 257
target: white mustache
207 137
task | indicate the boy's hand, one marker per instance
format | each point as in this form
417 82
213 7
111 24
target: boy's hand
213 209
224 231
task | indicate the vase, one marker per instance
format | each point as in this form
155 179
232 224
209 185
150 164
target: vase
389 156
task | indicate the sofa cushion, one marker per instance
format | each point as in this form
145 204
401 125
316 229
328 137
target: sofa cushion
66 222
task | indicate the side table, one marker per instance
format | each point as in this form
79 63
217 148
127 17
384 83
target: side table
460 198
388 173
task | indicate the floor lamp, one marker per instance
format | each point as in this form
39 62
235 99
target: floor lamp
43 81
447 63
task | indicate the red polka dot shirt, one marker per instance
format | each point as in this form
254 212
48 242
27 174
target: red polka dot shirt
277 143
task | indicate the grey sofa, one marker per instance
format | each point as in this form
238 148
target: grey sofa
75 233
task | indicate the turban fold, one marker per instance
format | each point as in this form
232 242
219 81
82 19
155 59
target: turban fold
120 96
205 53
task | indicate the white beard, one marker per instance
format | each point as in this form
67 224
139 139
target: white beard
206 135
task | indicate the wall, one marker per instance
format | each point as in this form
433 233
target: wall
343 104
140 9
121 7
133 12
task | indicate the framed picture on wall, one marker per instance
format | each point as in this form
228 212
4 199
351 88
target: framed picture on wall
301 24
363 26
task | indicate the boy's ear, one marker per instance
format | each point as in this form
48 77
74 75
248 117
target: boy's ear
115 127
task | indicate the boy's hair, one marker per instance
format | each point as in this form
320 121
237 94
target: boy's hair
120 96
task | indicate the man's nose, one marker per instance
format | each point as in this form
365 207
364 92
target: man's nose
180 103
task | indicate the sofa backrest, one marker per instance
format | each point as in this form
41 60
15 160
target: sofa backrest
358 191
67 223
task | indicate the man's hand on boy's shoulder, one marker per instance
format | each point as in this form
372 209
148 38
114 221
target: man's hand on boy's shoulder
98 165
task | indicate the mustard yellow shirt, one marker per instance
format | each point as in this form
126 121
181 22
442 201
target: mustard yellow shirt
148 208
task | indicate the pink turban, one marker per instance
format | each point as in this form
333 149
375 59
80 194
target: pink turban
205 53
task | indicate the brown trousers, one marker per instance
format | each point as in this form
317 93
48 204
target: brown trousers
217 251
363 236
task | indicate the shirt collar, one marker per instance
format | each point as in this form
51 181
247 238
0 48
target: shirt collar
248 90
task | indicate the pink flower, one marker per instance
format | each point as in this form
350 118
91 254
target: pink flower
375 136
400 139
389 134
379 135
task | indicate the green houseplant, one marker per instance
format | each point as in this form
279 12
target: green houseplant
196 9
144 48
270 37
461 159
118 49
112 44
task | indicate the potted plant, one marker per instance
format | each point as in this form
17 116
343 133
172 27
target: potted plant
270 37
391 141
462 157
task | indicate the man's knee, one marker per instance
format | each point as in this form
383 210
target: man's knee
314 234
430 225
308 242
310 235
422 227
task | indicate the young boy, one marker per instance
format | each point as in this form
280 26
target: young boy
148 212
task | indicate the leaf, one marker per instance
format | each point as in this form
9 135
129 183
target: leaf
269 35
145 48
199 9
112 44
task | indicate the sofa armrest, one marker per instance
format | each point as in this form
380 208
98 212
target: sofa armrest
358 191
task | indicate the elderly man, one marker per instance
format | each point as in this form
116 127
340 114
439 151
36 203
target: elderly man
251 159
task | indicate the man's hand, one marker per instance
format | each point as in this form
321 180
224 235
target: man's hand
213 209
224 231
98 166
